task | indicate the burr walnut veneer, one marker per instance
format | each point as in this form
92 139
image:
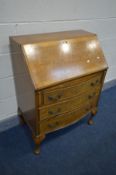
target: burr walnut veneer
61 80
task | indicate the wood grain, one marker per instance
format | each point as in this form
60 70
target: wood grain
58 122
73 90
61 56
64 76
68 105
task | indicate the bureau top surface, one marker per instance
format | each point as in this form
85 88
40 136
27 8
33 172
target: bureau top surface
56 57
35 38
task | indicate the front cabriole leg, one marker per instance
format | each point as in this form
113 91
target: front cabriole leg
93 113
38 139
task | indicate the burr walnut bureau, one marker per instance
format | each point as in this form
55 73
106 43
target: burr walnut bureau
61 78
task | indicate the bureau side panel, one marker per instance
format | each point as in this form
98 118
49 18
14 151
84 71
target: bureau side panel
102 83
25 92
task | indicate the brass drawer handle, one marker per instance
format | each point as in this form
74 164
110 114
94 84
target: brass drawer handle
54 98
53 125
55 113
88 108
97 81
94 83
92 95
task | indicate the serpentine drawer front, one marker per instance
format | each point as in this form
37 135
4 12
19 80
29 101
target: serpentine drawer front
63 120
73 90
68 105
61 81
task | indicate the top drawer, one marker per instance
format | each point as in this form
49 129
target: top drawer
70 89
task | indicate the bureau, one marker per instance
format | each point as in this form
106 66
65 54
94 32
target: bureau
58 79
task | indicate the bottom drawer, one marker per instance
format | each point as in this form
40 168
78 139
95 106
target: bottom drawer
61 121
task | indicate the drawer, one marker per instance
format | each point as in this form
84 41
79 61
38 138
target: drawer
74 90
66 119
68 105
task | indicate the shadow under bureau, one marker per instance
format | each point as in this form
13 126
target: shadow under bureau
58 79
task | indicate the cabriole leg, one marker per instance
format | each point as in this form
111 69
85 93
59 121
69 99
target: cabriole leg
93 112
38 140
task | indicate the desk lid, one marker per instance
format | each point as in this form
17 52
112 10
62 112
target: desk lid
56 57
